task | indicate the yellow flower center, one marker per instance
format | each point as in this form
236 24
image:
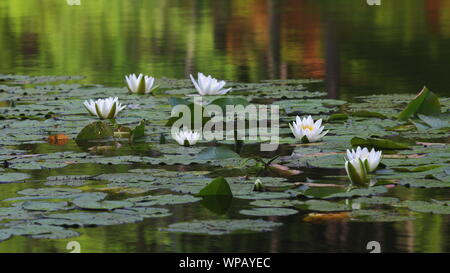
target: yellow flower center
307 127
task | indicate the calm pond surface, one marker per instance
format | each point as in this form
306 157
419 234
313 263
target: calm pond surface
356 49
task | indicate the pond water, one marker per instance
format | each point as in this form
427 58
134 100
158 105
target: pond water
346 50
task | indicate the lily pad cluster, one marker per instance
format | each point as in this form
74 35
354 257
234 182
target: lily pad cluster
70 170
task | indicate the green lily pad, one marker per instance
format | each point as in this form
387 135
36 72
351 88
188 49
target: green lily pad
378 216
45 206
145 212
322 205
424 183
426 103
377 200
428 207
359 192
81 219
41 231
13 177
221 227
5 234
95 131
276 203
378 143
216 153
218 186
268 212
162 200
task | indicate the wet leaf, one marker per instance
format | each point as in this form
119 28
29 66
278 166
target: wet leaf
13 177
217 187
378 143
220 227
95 131
216 153
428 207
322 205
425 103
268 212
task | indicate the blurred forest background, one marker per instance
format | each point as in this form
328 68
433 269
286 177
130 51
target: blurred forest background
360 49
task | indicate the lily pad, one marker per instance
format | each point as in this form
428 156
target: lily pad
276 203
221 227
161 200
268 212
13 177
218 186
428 207
426 103
322 205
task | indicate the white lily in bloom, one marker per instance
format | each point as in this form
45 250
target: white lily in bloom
373 157
357 171
306 130
186 137
207 85
104 108
140 84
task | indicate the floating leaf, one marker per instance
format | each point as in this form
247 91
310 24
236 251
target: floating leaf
378 216
378 143
218 186
220 227
95 131
232 101
45 206
145 212
322 205
268 212
13 177
424 183
138 131
277 203
368 114
216 153
428 207
359 192
80 219
425 103
160 200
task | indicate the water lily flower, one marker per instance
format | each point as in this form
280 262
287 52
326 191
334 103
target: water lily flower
104 108
357 171
306 130
258 185
140 84
207 85
371 158
186 137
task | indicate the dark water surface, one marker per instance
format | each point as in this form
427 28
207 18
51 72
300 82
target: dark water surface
358 49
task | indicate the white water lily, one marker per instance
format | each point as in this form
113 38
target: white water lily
357 171
207 85
258 185
104 108
373 157
140 84
306 130
186 137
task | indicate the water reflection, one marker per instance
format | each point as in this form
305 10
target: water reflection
359 49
